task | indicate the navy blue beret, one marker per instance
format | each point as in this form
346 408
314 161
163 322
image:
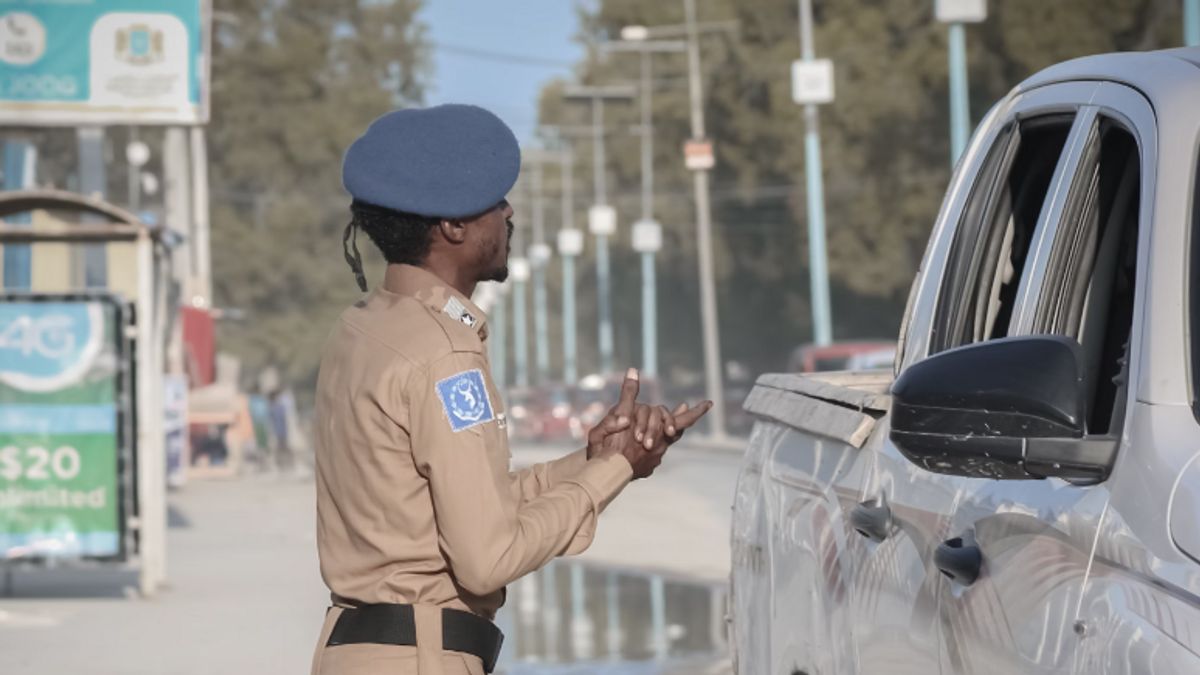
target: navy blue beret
448 161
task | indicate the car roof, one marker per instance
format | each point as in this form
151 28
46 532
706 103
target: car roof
1158 74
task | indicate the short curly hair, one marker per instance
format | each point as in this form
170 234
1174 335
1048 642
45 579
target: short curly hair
402 238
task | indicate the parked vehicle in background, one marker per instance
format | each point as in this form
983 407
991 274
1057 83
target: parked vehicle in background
1025 496
541 413
596 393
836 356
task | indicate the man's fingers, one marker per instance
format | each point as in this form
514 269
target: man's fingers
629 392
688 418
641 422
611 424
653 428
668 421
681 408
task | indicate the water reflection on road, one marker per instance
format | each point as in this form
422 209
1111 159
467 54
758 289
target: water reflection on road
575 618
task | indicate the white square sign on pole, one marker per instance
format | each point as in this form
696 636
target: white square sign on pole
812 81
961 11
602 220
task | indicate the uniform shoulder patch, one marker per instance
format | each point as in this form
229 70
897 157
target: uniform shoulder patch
465 400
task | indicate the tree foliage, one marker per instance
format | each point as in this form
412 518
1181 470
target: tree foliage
885 145
295 81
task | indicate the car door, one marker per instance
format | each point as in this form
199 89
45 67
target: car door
1036 538
981 256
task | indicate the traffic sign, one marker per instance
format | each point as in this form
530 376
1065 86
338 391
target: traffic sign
647 236
137 153
518 268
602 220
812 81
961 11
570 241
698 155
539 253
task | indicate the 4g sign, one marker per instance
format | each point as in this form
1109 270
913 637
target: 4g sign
60 433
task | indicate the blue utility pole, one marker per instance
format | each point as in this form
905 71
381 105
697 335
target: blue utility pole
956 14
539 255
570 245
1191 22
960 106
498 337
520 274
815 192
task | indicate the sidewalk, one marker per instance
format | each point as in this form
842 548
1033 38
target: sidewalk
243 595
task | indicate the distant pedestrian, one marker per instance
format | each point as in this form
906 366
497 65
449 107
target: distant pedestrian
277 408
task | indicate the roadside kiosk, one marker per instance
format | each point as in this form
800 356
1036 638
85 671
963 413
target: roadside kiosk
82 457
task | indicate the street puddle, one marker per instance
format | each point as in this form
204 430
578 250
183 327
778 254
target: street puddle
576 618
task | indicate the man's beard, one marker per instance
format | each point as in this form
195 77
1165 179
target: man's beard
501 275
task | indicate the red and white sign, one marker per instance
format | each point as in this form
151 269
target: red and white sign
698 155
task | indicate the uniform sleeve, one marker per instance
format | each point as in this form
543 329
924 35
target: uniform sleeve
489 534
534 480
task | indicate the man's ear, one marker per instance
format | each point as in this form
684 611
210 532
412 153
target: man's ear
455 231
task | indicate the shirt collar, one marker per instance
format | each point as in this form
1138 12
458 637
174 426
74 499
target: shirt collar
437 294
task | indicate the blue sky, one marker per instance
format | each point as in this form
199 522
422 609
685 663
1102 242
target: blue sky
474 40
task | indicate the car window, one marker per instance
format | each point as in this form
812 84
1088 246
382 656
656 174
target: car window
1088 289
992 240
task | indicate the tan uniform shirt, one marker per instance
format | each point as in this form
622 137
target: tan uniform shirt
415 500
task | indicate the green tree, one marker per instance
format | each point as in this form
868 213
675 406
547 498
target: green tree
885 146
294 82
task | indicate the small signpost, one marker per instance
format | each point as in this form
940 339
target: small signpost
812 81
698 155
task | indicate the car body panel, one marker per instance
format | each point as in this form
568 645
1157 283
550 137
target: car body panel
1081 579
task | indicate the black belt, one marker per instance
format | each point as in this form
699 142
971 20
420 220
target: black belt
394 625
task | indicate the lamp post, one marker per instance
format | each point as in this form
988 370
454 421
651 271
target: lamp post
539 257
1191 23
647 233
812 84
602 218
957 13
519 271
570 245
699 159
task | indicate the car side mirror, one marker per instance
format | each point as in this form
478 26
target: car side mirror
1013 408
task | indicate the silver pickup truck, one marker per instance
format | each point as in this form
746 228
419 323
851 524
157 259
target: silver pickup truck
1022 494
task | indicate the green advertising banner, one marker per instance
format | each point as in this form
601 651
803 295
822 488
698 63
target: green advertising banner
72 62
60 434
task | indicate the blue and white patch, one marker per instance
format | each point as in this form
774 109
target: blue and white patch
465 400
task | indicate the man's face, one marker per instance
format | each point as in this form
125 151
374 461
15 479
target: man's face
494 241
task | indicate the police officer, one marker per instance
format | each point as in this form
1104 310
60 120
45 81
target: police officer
420 522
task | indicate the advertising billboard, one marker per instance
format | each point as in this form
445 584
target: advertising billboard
103 62
62 440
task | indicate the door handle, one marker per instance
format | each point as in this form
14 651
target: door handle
959 559
872 519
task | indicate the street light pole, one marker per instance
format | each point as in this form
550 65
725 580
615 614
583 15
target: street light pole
960 105
649 285
708 293
957 13
519 269
647 232
602 220
1191 23
539 255
815 194
604 287
570 245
